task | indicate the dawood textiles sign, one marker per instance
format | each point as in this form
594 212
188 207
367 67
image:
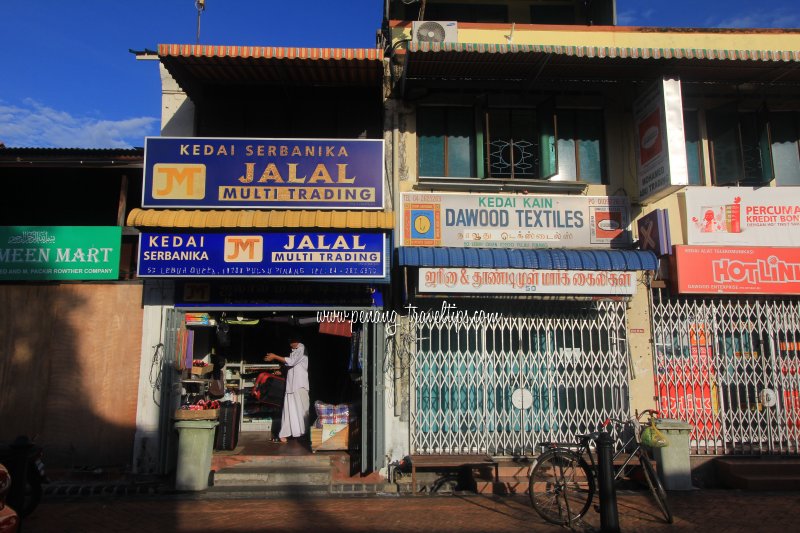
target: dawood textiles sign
767 216
263 255
41 253
259 173
660 141
514 221
737 270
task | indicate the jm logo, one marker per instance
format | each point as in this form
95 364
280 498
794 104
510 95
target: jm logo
244 249
179 181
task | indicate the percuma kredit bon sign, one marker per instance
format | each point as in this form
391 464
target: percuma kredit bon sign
263 173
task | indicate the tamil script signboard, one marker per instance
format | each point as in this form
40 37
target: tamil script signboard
525 281
263 255
43 253
742 216
737 270
514 221
196 172
661 150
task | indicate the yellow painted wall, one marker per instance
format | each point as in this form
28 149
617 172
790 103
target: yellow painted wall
621 169
623 37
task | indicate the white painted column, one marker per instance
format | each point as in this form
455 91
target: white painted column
158 296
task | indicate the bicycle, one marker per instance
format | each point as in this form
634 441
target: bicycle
562 480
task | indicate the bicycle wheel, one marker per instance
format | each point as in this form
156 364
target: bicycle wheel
561 486
656 488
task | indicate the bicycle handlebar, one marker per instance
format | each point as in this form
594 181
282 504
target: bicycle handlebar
637 416
649 412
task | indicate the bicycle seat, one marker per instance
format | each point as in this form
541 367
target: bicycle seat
589 436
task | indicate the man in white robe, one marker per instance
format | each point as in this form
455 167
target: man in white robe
294 420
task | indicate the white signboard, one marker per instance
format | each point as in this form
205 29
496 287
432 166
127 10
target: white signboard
514 221
660 144
743 216
525 281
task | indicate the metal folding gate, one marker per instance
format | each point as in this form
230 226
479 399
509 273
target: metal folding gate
503 387
730 367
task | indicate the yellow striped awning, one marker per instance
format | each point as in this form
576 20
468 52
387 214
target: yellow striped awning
522 63
611 52
200 64
267 219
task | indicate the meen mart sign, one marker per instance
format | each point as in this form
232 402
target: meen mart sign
46 253
198 172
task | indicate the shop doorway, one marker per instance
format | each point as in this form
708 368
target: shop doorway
339 382
543 373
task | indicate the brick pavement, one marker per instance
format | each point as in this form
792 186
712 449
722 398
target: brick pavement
711 510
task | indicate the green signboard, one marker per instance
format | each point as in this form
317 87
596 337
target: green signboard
39 253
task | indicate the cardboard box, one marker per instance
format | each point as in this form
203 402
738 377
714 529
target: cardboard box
330 437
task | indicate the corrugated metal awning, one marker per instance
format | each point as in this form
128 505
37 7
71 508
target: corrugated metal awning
523 62
217 219
610 52
71 157
193 65
550 259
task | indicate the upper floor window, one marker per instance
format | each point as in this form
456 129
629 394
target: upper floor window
785 134
556 13
739 146
694 152
510 143
490 13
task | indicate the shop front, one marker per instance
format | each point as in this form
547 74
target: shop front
518 309
227 287
726 330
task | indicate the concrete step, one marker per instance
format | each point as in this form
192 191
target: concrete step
278 460
264 492
508 468
504 485
759 473
765 482
273 475
758 465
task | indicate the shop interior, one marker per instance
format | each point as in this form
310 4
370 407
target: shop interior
229 348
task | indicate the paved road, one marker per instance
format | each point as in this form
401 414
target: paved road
709 510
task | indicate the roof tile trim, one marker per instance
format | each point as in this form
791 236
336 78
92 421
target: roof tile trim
254 219
268 52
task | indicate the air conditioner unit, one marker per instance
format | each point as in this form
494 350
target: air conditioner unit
433 31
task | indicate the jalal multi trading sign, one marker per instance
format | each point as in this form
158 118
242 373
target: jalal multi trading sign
514 221
263 255
256 173
37 253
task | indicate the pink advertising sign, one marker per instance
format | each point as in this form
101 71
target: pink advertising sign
744 216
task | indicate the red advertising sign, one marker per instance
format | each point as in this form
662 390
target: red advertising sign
737 270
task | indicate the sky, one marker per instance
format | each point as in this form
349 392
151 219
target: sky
68 79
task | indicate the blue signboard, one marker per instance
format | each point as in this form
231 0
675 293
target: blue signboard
200 172
263 255
654 232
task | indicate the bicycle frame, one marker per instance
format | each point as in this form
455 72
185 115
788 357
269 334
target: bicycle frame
553 492
585 449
